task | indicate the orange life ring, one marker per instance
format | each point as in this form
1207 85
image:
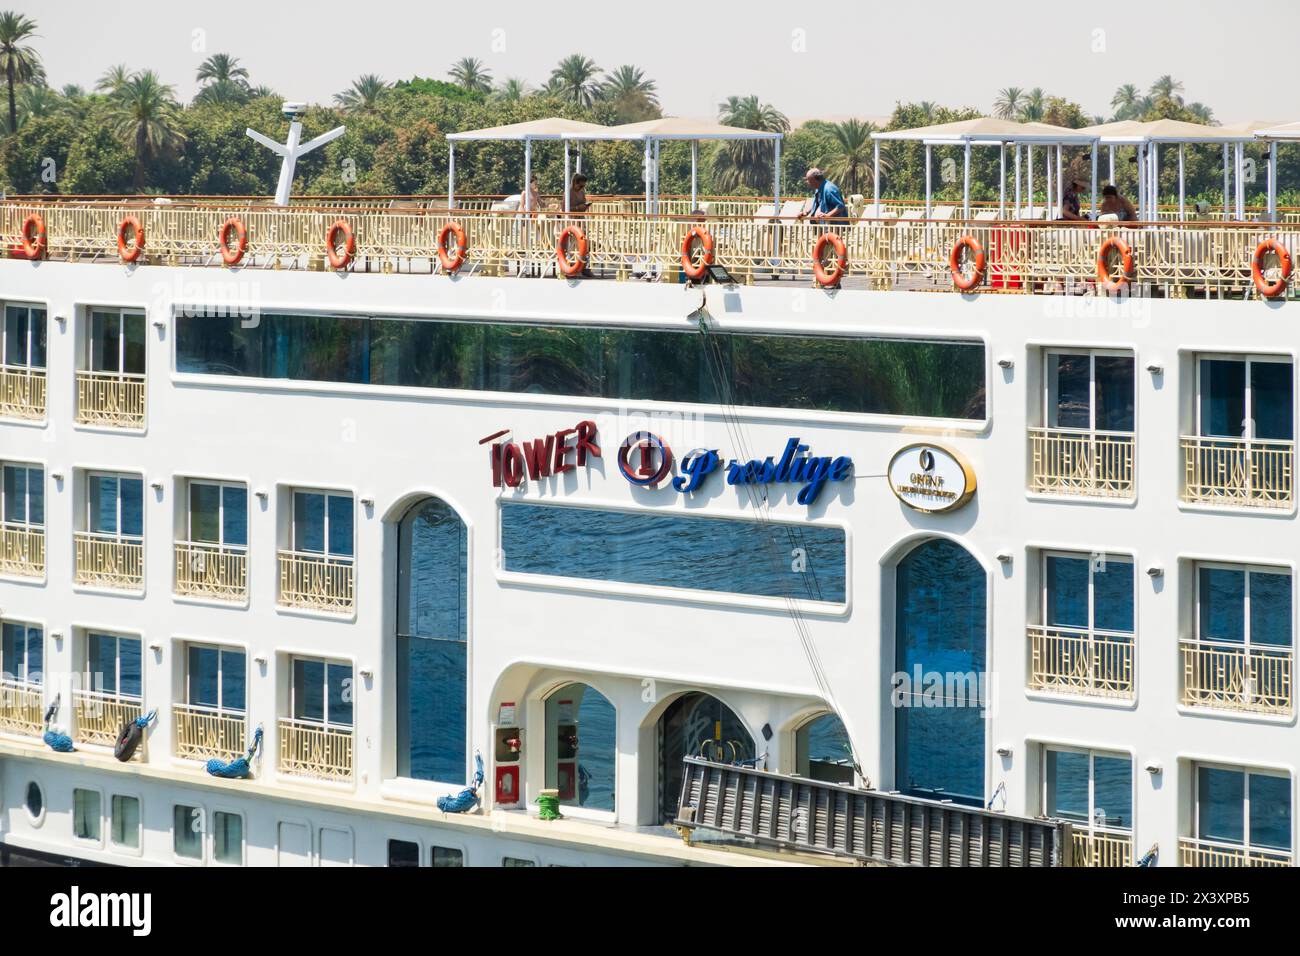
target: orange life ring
130 252
449 261
572 267
841 264
33 236
1270 290
693 269
340 260
1107 281
232 254
962 281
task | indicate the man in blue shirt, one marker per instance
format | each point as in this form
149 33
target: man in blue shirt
827 200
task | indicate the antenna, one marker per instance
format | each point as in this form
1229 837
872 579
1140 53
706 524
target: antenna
292 148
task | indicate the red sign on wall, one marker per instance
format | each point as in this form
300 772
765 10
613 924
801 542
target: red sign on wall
552 454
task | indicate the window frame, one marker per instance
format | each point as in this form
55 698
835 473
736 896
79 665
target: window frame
1092 753
324 723
117 535
116 694
1247 359
1049 407
25 680
220 710
122 313
123 848
325 554
26 522
1091 558
202 858
243 837
6 360
87 841
1247 568
1247 772
221 486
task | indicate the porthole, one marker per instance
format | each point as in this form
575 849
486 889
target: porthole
35 803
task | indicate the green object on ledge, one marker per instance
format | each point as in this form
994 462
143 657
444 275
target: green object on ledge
548 805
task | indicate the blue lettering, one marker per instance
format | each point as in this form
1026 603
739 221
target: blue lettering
815 474
697 466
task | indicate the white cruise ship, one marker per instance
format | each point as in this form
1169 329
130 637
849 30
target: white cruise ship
981 553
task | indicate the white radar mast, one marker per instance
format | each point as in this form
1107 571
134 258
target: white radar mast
292 148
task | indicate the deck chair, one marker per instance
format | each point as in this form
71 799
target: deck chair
942 213
986 215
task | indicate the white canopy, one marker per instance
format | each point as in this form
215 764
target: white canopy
676 128
550 128
989 130
1283 131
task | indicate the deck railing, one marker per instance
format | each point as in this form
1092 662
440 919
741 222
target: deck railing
1102 848
211 570
110 398
1077 661
316 582
21 708
203 733
1023 256
1232 677
1212 853
99 716
1072 462
22 550
110 561
310 749
1237 471
22 392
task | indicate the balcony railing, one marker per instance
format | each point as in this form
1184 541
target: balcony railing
22 550
1211 853
203 733
1081 463
316 582
22 392
110 398
1076 661
21 709
309 749
105 560
1102 848
99 716
750 241
1232 677
1237 471
211 570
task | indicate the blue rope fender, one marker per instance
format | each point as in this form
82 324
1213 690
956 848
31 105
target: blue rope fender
241 768
54 737
467 799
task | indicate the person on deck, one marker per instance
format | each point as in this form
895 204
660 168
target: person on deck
827 200
532 200
1070 206
1113 204
578 194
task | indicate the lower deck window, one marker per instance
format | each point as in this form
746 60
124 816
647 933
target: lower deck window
86 811
446 856
228 838
125 820
738 556
187 832
403 853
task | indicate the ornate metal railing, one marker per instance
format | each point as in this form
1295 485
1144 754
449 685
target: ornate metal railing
1102 848
106 560
21 708
1232 677
99 716
309 749
204 732
22 550
22 392
1211 853
110 398
1022 256
316 582
1081 463
211 570
1078 661
1237 471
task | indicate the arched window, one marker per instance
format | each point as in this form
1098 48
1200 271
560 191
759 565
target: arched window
581 747
822 751
432 631
939 686
697 725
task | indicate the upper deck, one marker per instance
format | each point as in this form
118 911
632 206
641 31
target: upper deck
896 248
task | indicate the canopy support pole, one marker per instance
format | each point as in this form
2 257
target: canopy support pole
1029 175
1094 180
1111 180
928 177
1182 185
528 173
579 166
566 177
1225 182
875 178
1060 184
965 189
1002 180
776 172
1241 182
1015 212
656 177
695 163
1272 181
451 176
1153 191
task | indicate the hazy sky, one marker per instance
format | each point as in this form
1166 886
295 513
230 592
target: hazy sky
835 60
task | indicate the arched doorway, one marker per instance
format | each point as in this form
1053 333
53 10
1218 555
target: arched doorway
699 725
822 750
431 643
940 656
581 747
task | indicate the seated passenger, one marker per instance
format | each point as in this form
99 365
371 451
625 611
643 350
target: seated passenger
1070 207
1113 204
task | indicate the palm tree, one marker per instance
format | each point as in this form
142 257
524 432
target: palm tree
1125 101
113 79
927 109
511 90
1202 113
574 79
851 163
22 63
35 100
1035 105
1167 88
747 162
1009 102
223 91
72 91
145 117
260 92
633 97
363 95
470 74
220 68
